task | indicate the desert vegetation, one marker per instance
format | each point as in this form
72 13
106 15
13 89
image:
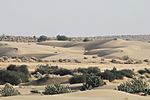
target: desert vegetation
9 90
56 89
14 75
135 86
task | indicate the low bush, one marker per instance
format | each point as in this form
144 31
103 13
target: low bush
12 77
62 37
86 39
92 81
43 79
42 38
8 90
56 89
143 71
63 71
77 79
135 86
22 70
47 69
12 67
90 70
114 74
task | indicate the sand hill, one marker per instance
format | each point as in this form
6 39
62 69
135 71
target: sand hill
102 94
108 48
77 50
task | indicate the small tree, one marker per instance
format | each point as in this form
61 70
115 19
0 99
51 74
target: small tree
8 90
92 81
62 37
56 89
42 38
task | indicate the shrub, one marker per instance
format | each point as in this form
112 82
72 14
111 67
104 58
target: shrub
107 74
94 70
134 86
92 81
62 37
86 39
42 38
126 72
12 77
126 57
90 70
8 90
63 71
46 69
77 79
23 69
114 74
143 71
43 79
56 89
12 67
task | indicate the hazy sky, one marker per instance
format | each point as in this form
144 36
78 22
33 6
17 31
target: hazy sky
74 17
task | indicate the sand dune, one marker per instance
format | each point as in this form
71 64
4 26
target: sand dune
103 94
67 49
109 48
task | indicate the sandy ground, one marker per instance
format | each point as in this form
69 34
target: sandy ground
103 94
54 50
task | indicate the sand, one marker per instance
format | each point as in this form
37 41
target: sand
55 50
103 94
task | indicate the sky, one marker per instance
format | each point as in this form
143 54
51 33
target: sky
74 17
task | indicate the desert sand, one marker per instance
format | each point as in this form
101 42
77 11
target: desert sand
102 49
103 94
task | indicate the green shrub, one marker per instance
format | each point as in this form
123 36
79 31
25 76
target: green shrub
12 67
81 70
77 79
108 75
42 38
86 39
114 74
56 89
89 70
63 71
8 90
143 71
43 79
126 72
62 37
92 81
23 69
12 77
46 69
134 86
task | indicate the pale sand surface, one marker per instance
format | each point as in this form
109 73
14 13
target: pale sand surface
107 49
103 94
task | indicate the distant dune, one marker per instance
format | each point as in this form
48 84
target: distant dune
108 48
